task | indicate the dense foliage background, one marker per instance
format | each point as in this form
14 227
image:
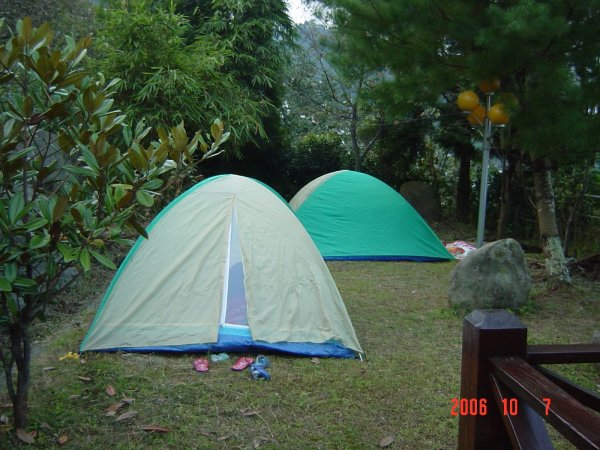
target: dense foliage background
371 88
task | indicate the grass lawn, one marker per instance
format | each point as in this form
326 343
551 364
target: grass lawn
402 391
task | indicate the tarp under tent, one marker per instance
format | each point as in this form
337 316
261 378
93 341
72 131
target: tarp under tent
354 216
227 267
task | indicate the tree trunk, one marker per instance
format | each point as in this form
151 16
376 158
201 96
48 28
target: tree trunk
354 137
507 178
575 204
546 214
463 188
21 352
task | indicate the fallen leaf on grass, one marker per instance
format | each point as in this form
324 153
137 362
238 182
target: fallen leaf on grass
85 378
315 360
46 369
74 396
62 440
45 426
223 438
155 428
110 390
205 433
249 412
128 400
125 416
114 407
386 441
25 436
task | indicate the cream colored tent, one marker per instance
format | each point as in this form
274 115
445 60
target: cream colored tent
227 267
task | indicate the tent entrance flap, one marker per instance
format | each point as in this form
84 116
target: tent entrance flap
235 307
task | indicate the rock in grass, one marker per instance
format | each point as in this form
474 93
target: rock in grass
494 276
423 197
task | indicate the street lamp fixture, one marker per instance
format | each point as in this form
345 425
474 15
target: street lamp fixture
478 115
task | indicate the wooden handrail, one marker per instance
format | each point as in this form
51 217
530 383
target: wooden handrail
526 429
585 396
578 424
563 353
500 369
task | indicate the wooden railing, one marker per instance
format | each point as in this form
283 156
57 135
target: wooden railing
505 394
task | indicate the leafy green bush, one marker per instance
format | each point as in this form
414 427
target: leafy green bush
73 178
167 80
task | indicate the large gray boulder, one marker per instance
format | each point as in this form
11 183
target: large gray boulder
423 198
494 276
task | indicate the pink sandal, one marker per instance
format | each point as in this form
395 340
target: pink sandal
241 363
201 365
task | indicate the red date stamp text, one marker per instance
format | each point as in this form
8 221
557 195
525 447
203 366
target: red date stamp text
479 406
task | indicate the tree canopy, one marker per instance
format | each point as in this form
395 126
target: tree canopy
544 53
258 35
166 79
67 17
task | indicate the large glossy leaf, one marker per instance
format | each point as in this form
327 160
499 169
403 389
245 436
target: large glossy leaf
86 171
10 271
35 224
65 142
84 259
69 254
24 282
103 260
25 29
51 267
39 241
152 184
59 208
89 158
12 304
73 79
5 285
16 207
216 129
19 154
144 198
127 135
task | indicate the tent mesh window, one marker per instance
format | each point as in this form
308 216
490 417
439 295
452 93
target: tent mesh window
235 306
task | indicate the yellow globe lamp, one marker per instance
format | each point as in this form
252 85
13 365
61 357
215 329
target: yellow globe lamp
489 85
498 115
467 100
477 116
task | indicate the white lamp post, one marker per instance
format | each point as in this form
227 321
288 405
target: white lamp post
478 115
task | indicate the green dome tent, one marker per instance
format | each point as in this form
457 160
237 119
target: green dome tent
354 216
227 267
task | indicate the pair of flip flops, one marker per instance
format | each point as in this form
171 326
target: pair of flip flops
201 364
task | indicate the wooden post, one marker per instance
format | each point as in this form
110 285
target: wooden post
486 333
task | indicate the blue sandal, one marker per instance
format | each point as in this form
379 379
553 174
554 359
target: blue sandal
262 362
258 373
